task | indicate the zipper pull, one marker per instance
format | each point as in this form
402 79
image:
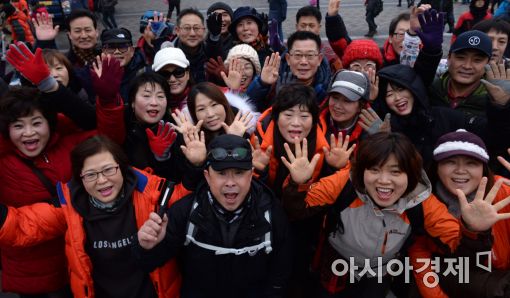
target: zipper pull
45 157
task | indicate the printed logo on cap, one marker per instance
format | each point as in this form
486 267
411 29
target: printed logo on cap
121 35
474 40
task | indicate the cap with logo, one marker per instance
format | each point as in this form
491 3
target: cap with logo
352 84
116 35
229 152
166 56
473 39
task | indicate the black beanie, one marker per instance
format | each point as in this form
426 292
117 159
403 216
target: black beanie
220 5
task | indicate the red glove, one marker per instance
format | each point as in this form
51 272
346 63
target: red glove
161 142
108 85
31 66
214 67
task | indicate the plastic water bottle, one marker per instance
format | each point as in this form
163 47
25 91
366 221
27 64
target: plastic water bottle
410 50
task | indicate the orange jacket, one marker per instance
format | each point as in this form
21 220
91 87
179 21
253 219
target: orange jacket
265 130
425 248
39 222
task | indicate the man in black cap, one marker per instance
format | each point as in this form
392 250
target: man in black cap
231 235
118 43
461 87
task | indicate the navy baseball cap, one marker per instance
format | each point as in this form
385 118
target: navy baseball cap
473 39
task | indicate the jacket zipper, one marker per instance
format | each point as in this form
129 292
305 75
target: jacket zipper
46 160
385 238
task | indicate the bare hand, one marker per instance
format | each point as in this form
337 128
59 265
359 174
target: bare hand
43 24
333 7
480 215
152 231
240 124
338 155
414 12
261 158
374 84
183 122
233 79
194 148
269 73
505 162
300 168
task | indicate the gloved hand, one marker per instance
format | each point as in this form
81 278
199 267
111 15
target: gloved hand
161 143
265 24
214 24
31 66
431 31
106 78
274 39
214 67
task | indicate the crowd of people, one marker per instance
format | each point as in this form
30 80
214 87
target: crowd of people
213 157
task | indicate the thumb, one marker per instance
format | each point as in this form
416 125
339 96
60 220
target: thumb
223 76
269 150
326 151
149 133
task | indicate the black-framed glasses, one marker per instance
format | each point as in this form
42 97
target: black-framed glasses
222 154
121 47
178 73
93 176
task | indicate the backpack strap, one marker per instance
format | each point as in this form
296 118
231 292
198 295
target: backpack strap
44 180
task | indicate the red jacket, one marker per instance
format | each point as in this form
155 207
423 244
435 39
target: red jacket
35 223
43 266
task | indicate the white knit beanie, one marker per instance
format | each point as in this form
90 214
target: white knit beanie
247 52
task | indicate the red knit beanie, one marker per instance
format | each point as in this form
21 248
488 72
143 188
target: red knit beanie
362 49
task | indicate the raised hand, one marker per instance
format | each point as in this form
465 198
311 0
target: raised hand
183 122
261 158
106 74
161 142
374 84
43 24
270 70
152 231
274 39
371 123
300 168
480 215
233 79
31 66
265 23
414 12
214 67
214 24
505 162
338 155
194 148
240 124
497 82
432 27
333 7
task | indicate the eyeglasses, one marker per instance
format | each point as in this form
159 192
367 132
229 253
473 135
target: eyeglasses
93 176
187 29
399 35
236 153
300 56
358 67
111 48
178 73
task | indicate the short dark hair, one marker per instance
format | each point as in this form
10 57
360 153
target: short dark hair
295 94
151 78
21 102
79 13
190 10
303 35
498 24
92 146
309 11
405 16
375 151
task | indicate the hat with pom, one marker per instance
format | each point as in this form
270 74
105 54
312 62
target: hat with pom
460 142
247 52
362 49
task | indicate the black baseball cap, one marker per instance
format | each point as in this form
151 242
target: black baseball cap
229 152
116 35
473 39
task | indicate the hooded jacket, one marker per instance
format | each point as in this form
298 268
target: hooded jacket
426 124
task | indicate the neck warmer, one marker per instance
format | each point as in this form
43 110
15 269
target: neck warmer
451 200
108 207
228 216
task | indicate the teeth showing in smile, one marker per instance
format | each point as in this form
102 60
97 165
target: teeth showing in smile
384 190
456 180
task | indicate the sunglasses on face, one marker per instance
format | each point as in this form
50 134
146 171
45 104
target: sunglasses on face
178 73
222 154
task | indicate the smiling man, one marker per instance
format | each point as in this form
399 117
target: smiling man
231 234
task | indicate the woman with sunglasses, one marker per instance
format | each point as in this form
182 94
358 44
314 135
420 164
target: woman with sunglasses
99 212
171 63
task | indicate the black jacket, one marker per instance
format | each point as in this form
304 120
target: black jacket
426 124
226 275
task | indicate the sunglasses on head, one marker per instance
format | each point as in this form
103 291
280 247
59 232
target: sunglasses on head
178 73
222 154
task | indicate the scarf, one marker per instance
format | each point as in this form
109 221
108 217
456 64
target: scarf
179 101
451 201
389 53
228 216
85 56
108 207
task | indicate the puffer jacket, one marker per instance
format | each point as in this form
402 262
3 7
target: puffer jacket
43 266
42 221
426 124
